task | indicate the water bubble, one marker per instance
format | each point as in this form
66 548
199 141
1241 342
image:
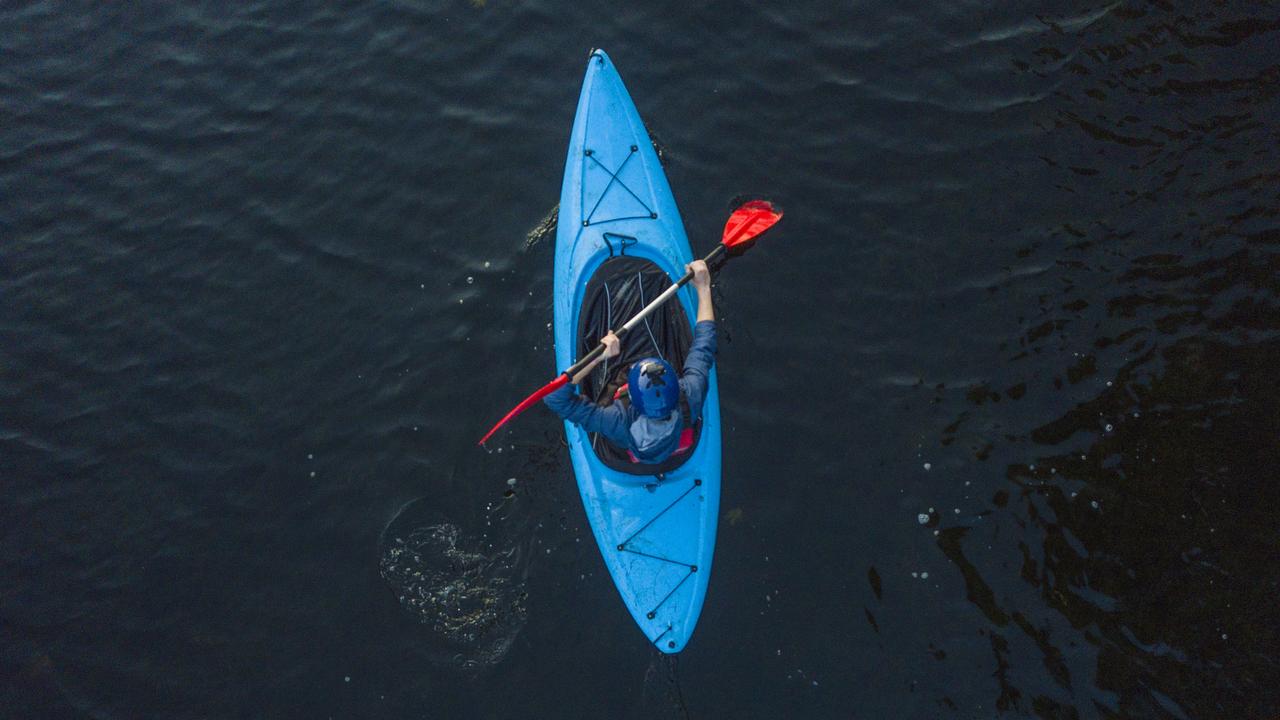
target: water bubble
346 678
928 466
486 263
1108 427
510 481
470 280
922 518
473 599
924 576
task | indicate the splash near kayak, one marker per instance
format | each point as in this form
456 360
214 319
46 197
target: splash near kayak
619 226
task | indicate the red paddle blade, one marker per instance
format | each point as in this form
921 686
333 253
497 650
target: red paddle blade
748 222
544 391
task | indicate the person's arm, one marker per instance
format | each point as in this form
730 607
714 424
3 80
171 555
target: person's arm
702 352
612 347
697 365
609 421
702 283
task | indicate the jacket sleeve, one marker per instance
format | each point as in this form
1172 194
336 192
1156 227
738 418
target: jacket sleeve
697 365
609 421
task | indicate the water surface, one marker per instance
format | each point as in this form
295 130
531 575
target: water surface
266 274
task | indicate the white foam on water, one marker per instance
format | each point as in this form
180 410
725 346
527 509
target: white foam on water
473 601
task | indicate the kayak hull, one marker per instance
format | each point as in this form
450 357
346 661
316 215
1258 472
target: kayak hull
656 534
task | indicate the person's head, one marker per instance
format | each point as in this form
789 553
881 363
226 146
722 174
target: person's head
654 387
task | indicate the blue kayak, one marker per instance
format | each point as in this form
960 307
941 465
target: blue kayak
656 531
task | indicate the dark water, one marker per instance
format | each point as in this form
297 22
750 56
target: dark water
264 279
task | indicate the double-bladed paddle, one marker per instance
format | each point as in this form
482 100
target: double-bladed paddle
745 225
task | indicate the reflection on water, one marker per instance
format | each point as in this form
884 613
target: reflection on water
1144 514
545 229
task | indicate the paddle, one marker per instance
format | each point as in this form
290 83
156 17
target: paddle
744 227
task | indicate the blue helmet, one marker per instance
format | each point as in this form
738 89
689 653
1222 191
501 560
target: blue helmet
654 387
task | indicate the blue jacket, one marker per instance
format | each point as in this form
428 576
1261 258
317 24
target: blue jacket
650 442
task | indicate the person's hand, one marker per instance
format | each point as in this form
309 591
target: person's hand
612 346
701 276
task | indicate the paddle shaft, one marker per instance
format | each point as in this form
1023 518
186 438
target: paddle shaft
745 225
654 304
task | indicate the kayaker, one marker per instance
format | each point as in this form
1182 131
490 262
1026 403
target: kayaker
650 425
